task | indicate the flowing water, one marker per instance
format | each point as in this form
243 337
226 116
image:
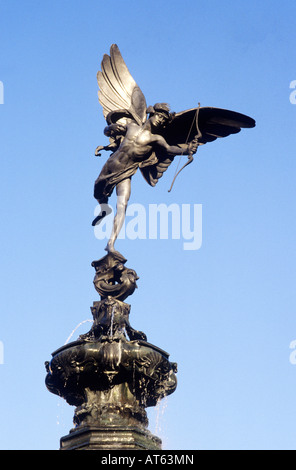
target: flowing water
112 323
159 414
61 404
81 323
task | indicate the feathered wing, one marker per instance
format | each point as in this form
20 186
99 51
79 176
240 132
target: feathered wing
118 91
152 172
207 124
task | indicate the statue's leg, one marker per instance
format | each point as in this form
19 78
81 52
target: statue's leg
123 192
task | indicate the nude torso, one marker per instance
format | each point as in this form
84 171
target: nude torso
136 147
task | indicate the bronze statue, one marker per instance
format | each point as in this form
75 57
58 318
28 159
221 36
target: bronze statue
112 373
147 138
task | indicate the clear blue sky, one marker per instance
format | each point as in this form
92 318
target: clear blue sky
225 312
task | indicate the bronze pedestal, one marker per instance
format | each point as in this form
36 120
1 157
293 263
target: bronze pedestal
111 374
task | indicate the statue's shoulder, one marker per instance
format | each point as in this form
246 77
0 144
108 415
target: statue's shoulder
132 129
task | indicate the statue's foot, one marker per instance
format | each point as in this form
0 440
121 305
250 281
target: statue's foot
110 248
101 216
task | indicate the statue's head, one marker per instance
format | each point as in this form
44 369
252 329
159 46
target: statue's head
160 113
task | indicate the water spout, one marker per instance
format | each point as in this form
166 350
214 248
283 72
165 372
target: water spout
112 322
160 410
81 323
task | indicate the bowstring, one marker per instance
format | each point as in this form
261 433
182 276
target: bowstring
194 118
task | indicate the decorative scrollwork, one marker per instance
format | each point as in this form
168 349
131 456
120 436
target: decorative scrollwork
112 278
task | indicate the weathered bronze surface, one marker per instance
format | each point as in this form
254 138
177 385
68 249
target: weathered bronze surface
148 138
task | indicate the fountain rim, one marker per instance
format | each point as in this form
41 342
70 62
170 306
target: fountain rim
81 342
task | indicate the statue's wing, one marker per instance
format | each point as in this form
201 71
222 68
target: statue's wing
154 169
205 124
118 90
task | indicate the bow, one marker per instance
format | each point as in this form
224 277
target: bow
190 155
190 160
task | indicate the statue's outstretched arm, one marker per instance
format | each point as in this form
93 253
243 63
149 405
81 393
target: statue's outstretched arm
173 150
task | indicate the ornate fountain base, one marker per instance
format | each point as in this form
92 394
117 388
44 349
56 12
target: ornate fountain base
112 438
111 374
110 420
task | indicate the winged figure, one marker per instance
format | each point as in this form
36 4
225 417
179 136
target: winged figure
148 138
